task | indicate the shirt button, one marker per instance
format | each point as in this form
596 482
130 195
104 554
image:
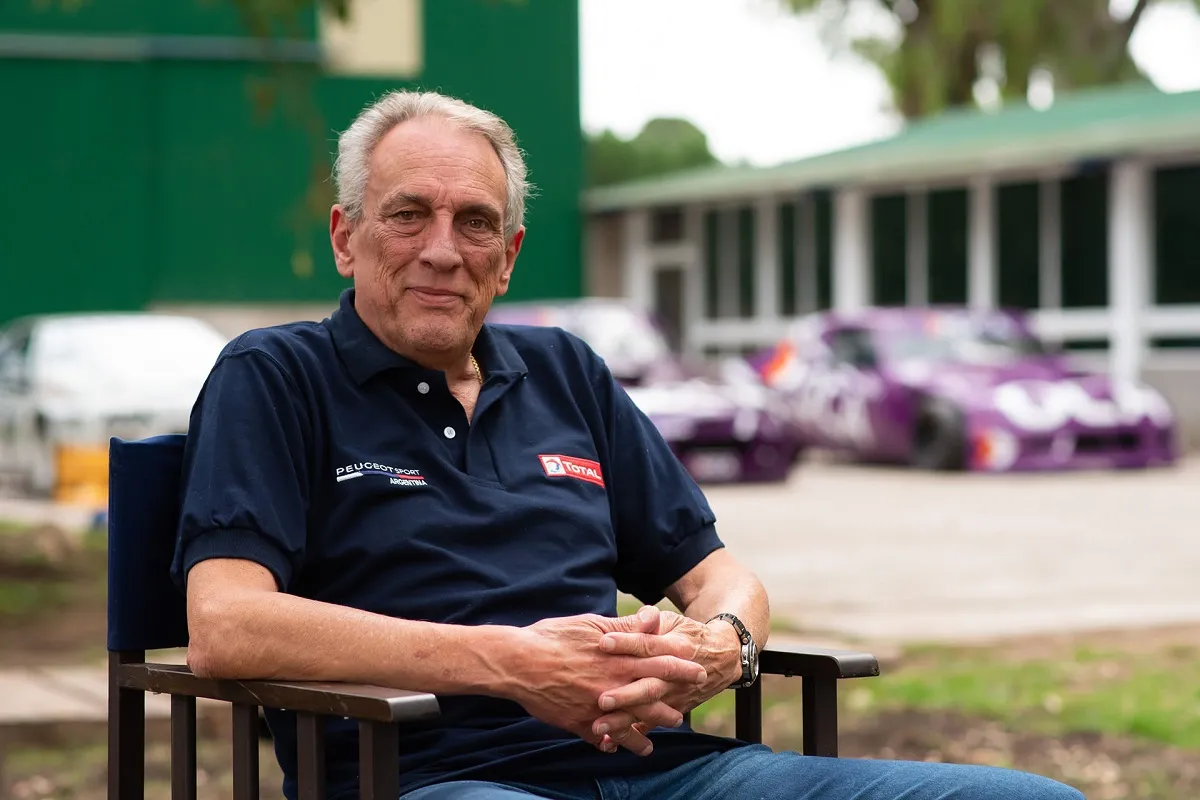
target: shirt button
449 432
423 387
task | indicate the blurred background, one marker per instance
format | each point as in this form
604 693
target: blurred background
912 287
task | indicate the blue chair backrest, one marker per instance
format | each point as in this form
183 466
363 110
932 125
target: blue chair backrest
146 610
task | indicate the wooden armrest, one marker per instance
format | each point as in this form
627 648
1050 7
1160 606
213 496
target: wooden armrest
361 702
816 662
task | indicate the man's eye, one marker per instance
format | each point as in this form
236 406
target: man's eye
406 216
478 224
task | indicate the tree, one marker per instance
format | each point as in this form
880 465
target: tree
948 51
663 145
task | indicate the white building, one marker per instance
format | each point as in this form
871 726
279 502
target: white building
1087 214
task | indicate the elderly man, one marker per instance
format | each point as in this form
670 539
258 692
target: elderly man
402 495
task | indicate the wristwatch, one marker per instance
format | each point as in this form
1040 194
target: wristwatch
749 652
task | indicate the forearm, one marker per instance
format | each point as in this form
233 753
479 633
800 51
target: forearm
271 635
723 585
720 585
745 599
743 596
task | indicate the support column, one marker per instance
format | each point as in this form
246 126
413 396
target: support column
916 257
806 254
766 258
981 258
727 263
851 250
1130 254
694 278
635 255
1050 243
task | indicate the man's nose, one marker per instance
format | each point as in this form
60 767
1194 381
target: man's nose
441 245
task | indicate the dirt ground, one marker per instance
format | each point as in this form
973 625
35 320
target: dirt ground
69 622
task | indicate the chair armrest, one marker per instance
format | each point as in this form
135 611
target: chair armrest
816 662
361 702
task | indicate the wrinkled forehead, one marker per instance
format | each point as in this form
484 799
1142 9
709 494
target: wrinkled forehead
436 158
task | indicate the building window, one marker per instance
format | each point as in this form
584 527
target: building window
1177 219
823 233
666 225
712 264
788 266
947 237
1085 240
889 246
1018 228
745 262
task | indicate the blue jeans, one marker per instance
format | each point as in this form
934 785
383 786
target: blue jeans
756 772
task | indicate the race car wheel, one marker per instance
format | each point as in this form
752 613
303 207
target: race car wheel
939 437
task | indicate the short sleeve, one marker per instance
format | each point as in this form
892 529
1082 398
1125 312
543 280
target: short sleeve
245 471
664 525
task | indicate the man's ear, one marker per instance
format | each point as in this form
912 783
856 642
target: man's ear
340 228
510 260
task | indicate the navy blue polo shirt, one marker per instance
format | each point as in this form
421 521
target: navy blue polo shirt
354 476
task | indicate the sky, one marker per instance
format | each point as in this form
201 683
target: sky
762 85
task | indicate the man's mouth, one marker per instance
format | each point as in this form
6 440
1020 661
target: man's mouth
435 297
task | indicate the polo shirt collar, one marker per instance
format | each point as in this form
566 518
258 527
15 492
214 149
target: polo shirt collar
365 356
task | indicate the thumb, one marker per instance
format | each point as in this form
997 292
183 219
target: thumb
644 621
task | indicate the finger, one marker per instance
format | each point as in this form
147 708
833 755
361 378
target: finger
644 621
644 718
632 739
668 668
638 693
615 721
644 645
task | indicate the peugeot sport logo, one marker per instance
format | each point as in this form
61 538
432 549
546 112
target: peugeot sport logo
560 466
398 475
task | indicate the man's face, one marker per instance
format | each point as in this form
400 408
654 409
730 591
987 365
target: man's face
428 255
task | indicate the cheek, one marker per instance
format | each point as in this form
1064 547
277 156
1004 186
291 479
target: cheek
486 267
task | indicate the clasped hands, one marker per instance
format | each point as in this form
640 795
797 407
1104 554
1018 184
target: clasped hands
611 680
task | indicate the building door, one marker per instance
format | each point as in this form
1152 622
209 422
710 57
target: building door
668 303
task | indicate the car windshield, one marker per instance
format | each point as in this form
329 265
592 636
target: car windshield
621 336
993 341
125 350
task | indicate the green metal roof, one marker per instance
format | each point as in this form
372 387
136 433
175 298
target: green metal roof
1092 124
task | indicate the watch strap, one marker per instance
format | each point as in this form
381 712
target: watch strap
743 634
746 655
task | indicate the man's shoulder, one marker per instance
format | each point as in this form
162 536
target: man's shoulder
546 348
543 342
283 343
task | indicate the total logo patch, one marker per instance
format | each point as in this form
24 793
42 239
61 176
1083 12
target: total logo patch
559 466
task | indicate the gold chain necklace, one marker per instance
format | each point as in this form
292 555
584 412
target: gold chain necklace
475 366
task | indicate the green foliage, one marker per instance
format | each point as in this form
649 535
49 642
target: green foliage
1154 696
941 53
663 145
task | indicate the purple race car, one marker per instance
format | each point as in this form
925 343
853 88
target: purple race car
721 431
949 388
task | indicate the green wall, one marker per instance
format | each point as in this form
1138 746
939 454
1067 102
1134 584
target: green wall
139 181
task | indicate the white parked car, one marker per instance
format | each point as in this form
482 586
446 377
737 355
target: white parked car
78 379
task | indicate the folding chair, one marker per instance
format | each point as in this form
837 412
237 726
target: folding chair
146 611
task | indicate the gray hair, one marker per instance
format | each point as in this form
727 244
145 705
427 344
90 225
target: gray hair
357 143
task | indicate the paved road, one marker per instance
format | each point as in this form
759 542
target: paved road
890 555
